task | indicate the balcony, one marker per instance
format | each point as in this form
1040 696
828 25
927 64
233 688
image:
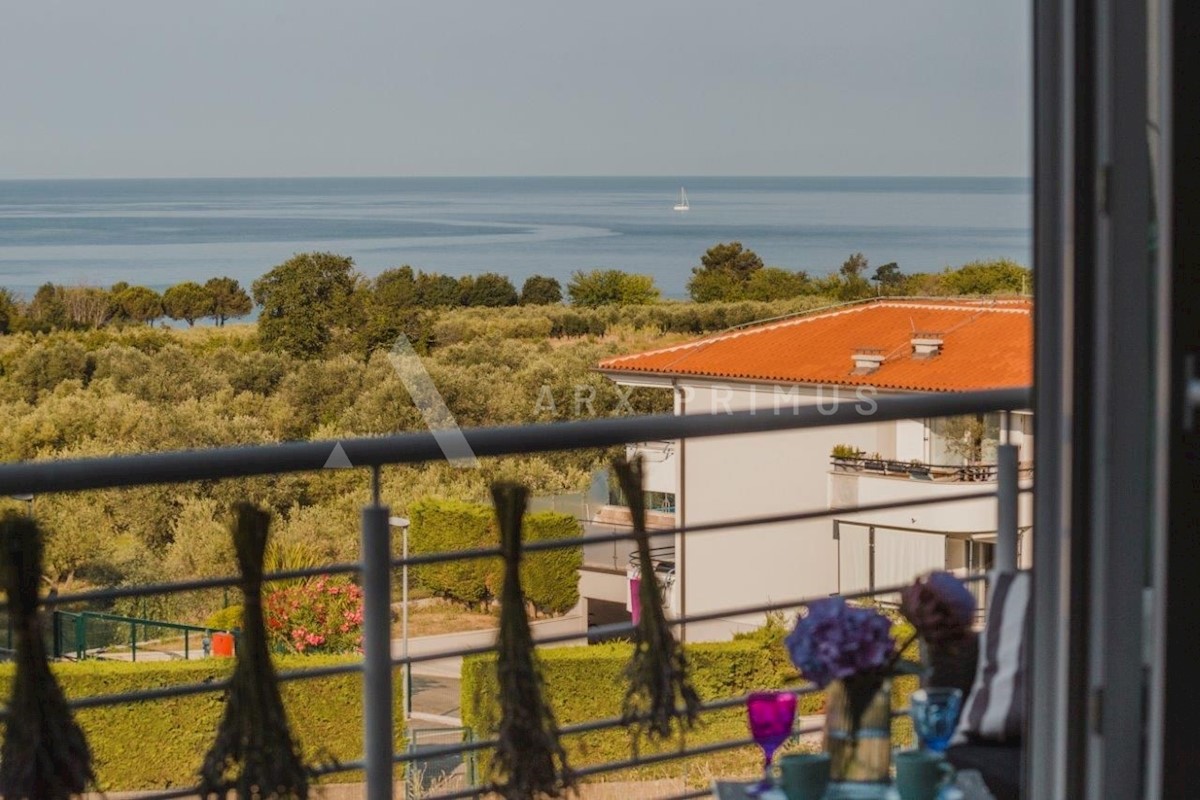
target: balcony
378 565
920 471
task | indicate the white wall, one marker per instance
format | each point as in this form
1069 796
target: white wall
725 478
732 477
850 489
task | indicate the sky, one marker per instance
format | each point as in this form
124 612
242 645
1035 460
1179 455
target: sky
145 88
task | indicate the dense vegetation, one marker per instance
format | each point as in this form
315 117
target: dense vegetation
71 394
159 744
79 376
729 272
56 308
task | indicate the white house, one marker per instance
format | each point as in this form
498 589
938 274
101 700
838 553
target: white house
852 353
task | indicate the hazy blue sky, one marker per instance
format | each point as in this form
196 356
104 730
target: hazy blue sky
130 88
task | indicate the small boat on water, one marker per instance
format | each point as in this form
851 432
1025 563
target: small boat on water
682 205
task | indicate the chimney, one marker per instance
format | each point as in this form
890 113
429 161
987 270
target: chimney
867 360
926 344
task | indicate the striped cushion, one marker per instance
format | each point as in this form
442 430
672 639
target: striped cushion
995 709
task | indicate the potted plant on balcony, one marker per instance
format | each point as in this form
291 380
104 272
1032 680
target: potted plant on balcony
941 610
849 651
918 469
846 457
967 437
874 463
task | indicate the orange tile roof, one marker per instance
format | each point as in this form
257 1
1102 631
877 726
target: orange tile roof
987 344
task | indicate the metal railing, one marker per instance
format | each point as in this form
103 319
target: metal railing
75 636
919 470
374 569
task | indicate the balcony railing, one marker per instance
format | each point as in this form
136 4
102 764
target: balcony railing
918 470
374 569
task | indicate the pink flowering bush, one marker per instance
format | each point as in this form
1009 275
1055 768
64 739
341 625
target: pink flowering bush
318 616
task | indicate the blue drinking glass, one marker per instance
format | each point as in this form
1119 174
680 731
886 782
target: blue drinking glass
934 714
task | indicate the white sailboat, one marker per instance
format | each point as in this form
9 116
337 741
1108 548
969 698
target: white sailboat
682 205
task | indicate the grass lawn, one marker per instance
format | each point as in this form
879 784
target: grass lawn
432 617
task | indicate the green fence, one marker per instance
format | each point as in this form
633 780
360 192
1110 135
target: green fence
80 635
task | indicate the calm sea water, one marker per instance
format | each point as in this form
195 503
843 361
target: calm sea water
160 232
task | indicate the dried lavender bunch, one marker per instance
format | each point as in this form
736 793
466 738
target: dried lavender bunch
530 761
660 693
45 755
254 753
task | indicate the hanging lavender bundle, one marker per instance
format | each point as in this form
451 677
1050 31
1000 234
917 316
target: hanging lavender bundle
45 755
530 761
254 753
660 693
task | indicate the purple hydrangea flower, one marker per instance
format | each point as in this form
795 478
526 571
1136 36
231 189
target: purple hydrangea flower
940 607
835 641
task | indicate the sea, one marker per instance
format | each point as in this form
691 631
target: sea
164 231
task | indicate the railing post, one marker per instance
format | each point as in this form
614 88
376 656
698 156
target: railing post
377 650
404 633
1007 494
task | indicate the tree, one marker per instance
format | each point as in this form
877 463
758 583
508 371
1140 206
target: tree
853 285
732 258
969 437
47 310
187 301
854 266
435 290
713 286
724 271
539 290
139 304
611 286
227 299
889 278
87 306
394 289
775 283
8 311
303 300
488 289
987 277
391 309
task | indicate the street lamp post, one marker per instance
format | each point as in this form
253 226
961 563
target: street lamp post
402 523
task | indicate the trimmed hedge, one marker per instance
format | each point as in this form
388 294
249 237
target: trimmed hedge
588 683
159 744
551 578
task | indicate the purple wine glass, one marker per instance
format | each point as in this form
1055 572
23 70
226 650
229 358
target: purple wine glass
772 715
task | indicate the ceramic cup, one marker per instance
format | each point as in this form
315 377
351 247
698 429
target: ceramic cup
920 775
805 775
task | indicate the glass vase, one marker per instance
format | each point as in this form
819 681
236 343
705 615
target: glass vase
859 753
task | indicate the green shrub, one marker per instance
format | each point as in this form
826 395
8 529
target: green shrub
159 744
441 525
588 683
226 619
551 578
